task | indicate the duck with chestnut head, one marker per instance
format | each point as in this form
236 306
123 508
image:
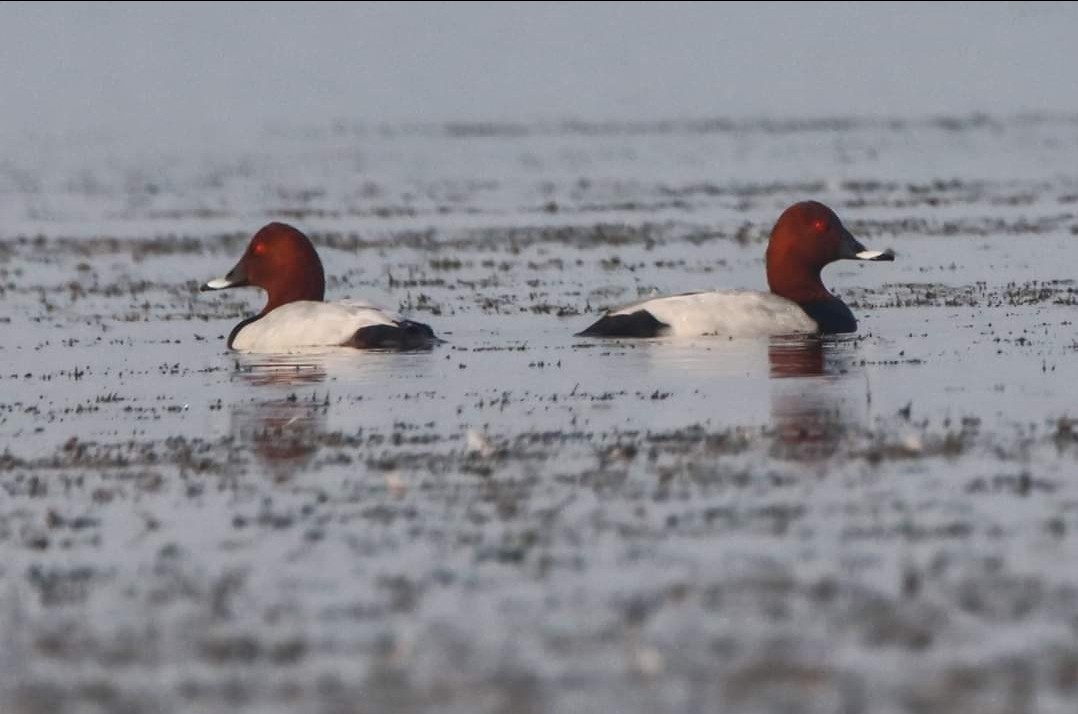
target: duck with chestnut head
282 261
807 237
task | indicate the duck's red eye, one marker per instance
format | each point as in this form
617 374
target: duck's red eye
258 248
820 225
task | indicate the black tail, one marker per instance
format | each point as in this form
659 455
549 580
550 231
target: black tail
405 335
636 324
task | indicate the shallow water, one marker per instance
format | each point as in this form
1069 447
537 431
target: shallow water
520 519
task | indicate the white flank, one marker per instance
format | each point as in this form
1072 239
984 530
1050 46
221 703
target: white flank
310 324
218 284
729 313
870 254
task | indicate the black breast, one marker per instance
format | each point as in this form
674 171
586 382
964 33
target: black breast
831 316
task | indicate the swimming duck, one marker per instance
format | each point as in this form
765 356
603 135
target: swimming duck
281 260
806 238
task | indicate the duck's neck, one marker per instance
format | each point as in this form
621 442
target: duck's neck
801 287
311 287
832 316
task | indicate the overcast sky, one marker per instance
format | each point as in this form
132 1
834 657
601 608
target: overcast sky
153 66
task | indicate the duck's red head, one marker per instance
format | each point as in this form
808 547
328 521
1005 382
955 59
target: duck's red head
807 237
280 260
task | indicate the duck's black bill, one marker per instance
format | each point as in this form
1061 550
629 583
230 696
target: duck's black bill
236 278
852 249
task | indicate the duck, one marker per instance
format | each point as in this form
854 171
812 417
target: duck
807 237
282 261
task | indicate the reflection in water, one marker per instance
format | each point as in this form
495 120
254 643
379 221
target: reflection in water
283 416
816 394
282 427
809 389
792 357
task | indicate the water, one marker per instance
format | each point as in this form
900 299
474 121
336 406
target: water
520 519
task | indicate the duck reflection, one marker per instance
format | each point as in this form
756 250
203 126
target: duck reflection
282 412
796 357
809 390
284 425
815 395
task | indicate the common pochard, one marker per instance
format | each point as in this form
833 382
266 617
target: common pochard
282 261
807 237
